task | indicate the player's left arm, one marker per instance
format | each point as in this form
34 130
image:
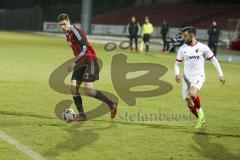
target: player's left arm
179 59
216 64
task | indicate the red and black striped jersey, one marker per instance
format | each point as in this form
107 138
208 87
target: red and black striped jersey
82 49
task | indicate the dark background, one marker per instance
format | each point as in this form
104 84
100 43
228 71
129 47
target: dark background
30 14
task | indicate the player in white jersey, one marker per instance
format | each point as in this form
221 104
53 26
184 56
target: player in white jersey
194 54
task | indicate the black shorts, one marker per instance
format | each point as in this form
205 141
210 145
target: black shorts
86 73
146 38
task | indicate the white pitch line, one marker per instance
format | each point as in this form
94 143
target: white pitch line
23 148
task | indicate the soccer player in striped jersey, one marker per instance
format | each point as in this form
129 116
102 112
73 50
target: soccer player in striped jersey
194 53
85 67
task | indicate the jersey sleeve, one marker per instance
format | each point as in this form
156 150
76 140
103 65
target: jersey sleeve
217 65
208 53
179 55
79 37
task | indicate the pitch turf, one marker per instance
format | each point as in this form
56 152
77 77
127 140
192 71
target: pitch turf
28 104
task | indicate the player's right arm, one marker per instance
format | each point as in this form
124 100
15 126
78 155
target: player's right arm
179 59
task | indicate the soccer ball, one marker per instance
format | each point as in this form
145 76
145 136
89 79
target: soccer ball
68 115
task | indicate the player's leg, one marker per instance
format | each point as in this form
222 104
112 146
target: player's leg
193 95
164 44
147 42
193 92
78 100
215 49
185 93
189 92
136 42
191 106
196 100
212 46
88 89
168 45
76 96
145 39
75 84
131 42
90 76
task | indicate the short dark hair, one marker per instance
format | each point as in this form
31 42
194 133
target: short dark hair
62 16
189 29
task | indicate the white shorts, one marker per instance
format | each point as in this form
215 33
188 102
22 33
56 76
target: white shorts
188 83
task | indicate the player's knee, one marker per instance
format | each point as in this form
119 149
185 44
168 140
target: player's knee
192 94
88 91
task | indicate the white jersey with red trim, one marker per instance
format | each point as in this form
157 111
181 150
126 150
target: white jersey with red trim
194 57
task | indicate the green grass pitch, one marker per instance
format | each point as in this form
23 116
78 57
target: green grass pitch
27 104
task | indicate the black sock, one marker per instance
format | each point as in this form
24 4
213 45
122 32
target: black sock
147 47
103 98
78 102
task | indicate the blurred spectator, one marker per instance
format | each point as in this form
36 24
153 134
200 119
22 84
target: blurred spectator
147 30
213 33
164 32
133 30
177 41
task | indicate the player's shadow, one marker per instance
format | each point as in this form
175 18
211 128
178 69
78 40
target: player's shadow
79 138
212 151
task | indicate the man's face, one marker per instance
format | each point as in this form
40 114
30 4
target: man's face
146 20
65 25
133 19
187 37
214 23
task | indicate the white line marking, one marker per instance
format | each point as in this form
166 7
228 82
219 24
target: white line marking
21 147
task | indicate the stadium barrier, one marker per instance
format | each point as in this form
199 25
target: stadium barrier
120 30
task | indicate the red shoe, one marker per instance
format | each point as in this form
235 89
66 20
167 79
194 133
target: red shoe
81 117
